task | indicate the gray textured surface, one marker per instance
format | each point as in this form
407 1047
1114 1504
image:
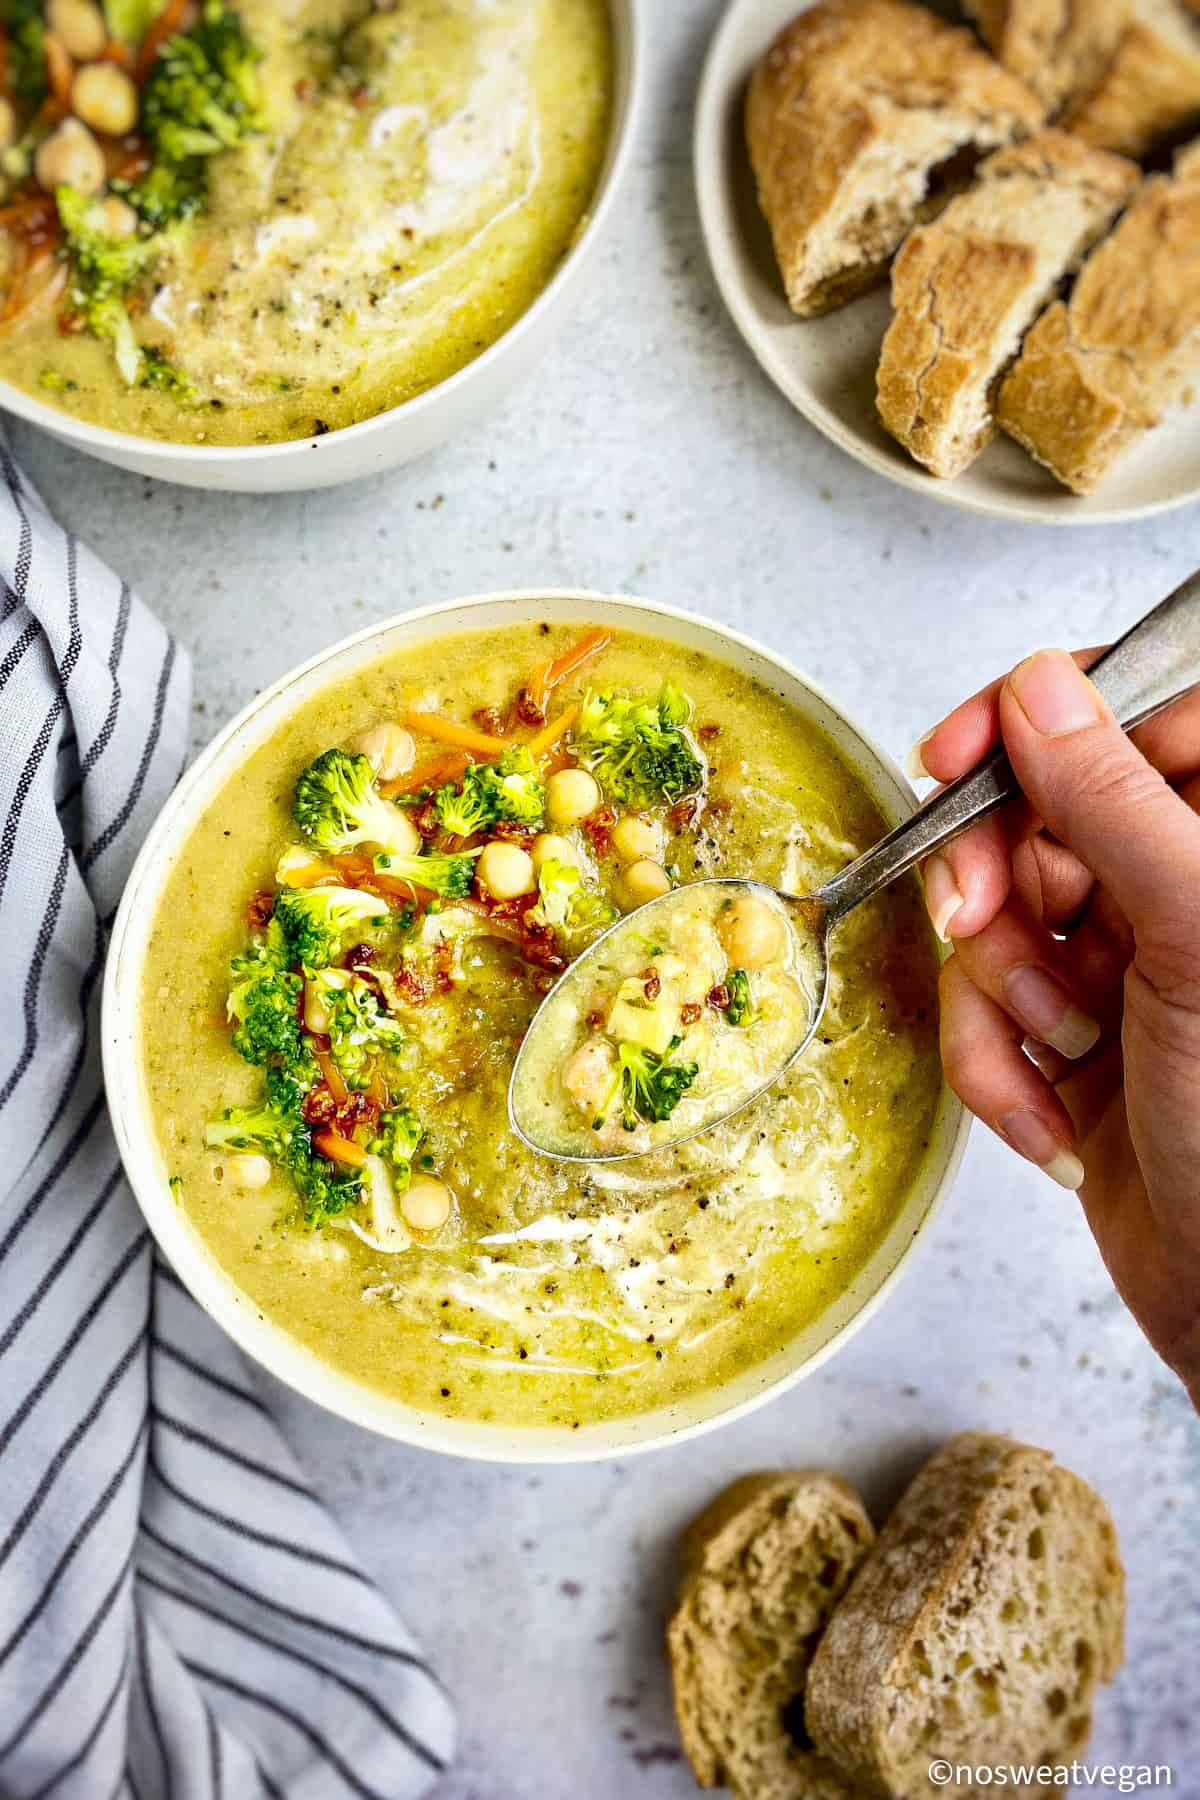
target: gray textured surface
650 455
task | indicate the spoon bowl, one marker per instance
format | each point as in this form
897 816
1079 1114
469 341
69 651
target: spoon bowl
1156 662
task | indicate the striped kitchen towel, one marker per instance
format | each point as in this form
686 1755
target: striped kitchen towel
179 1617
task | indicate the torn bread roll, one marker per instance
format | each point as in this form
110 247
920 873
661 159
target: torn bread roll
853 114
966 288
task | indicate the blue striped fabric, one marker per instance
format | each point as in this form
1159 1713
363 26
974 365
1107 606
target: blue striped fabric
179 1617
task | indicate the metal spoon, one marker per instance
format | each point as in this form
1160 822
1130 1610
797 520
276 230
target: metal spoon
1155 663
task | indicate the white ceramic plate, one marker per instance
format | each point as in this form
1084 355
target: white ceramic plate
826 367
195 1263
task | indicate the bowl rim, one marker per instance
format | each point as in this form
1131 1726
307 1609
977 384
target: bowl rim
628 18
709 184
261 1338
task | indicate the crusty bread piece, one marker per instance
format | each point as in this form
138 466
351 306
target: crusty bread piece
966 288
1099 370
851 113
976 1629
1060 47
1150 88
763 1568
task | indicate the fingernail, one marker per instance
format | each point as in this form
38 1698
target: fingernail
941 895
1033 1138
1047 1010
914 762
1055 696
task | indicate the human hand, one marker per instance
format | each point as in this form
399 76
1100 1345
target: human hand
1075 923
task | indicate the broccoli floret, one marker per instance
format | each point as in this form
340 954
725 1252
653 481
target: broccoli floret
512 787
397 1141
338 806
566 903
24 23
315 922
360 1027
650 1086
639 750
443 874
168 192
104 271
740 1009
264 1000
157 372
463 810
130 20
326 1188
271 1126
202 95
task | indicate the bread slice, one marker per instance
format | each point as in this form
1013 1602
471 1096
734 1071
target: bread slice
978 1626
1099 370
763 1568
1149 90
851 114
966 288
1060 47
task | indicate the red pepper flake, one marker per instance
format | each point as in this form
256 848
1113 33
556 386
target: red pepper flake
489 719
361 95
651 984
686 812
542 981
597 828
305 89
707 733
689 1012
511 831
528 710
443 965
320 1107
425 818
412 985
595 1020
259 910
360 956
358 1109
718 997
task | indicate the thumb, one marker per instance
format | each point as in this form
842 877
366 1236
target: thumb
1097 793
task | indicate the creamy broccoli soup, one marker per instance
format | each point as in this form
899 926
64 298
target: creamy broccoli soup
347 955
242 221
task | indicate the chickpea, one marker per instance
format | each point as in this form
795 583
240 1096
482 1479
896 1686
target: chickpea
79 27
505 870
8 124
589 1072
426 1203
246 1170
105 98
550 847
70 157
634 838
118 218
388 748
752 933
571 794
643 880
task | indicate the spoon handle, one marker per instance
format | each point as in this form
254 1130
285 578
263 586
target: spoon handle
1155 663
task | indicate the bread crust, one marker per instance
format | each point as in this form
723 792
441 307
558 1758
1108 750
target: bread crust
1061 48
739 1646
944 1573
850 111
1099 370
966 288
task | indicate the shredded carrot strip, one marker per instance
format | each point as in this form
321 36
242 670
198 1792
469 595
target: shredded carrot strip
432 773
22 211
167 22
550 734
340 1149
333 1080
116 52
548 675
312 875
448 731
378 1091
60 70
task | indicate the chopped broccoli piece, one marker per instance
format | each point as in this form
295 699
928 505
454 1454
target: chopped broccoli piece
270 1126
740 1010
512 787
397 1141
202 95
326 1188
360 1027
25 24
639 750
314 922
168 192
157 372
463 810
443 874
264 1000
650 1086
104 270
566 903
339 807
130 20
